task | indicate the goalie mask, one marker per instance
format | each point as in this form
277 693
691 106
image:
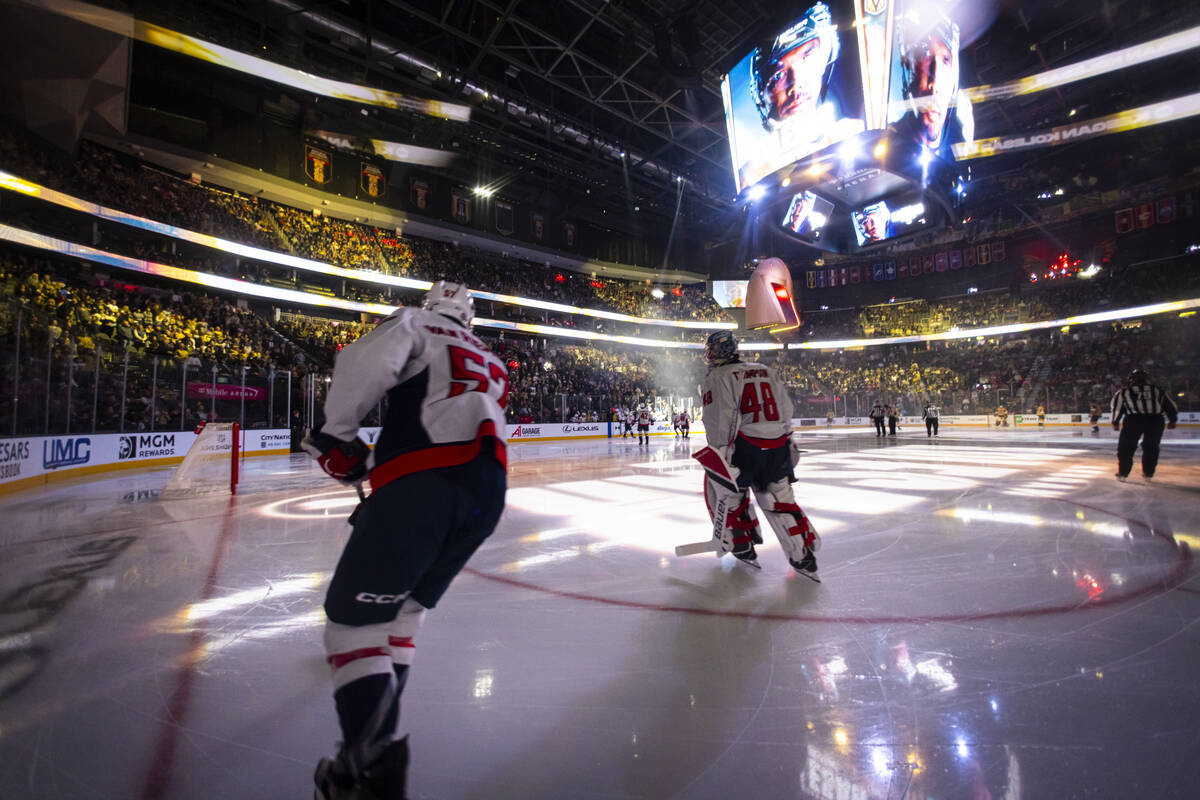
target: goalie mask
720 348
451 300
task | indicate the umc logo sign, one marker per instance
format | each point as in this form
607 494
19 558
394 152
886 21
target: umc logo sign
70 452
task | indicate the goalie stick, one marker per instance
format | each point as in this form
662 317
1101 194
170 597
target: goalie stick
709 546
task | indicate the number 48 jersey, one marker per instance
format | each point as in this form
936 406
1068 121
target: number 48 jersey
446 394
747 400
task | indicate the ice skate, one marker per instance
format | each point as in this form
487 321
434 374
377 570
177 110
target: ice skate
384 780
1122 478
748 556
806 566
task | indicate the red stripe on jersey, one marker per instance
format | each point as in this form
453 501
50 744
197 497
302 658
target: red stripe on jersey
788 508
339 660
764 444
446 455
401 641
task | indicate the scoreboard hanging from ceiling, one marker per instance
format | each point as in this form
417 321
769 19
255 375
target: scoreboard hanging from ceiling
841 124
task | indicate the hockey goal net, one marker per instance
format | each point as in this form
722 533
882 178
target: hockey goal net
211 463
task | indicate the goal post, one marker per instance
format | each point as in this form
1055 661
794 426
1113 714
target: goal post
211 463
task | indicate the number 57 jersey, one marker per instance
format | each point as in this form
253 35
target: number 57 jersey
446 394
746 400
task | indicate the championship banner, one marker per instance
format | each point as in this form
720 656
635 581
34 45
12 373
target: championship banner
845 277
810 279
419 190
902 268
537 227
1124 220
460 206
927 264
318 166
877 272
968 255
941 261
820 279
984 254
370 180
956 259
568 234
833 278
504 219
998 251
1166 210
1145 215
889 270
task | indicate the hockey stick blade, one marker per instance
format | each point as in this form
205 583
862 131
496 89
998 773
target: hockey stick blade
707 546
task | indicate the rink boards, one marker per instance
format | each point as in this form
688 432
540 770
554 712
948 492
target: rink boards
31 461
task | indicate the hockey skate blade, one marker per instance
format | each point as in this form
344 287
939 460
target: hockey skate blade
812 576
752 564
708 546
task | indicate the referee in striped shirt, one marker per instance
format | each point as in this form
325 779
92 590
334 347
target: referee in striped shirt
1140 406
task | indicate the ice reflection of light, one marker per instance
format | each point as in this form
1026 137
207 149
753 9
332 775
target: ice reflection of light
329 503
961 747
283 509
881 761
931 669
484 679
246 597
603 508
270 630
557 555
1111 529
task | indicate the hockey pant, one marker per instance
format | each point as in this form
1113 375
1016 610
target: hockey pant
734 520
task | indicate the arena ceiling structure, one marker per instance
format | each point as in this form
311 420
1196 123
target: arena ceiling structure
612 108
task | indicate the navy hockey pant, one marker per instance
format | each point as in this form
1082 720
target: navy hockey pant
411 538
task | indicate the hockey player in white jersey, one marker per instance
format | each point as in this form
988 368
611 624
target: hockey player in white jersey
644 420
438 479
748 423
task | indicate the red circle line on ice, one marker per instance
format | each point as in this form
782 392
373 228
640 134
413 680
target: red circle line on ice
1176 576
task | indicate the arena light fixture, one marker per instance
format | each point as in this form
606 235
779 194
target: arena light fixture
41 242
1089 68
177 42
756 193
17 184
1129 120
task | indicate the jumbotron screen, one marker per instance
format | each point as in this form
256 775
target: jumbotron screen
841 68
848 114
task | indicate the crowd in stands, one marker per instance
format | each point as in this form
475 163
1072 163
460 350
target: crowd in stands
122 182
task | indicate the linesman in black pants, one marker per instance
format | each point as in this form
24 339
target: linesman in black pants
1141 405
931 414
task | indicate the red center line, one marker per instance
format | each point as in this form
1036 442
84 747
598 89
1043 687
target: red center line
159 771
1171 581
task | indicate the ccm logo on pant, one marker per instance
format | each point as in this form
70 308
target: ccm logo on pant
380 599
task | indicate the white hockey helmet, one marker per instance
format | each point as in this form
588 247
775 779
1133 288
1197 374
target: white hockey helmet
451 300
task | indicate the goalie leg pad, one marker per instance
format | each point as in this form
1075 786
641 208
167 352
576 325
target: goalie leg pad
734 522
792 527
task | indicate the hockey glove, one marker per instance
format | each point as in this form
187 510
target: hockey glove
342 461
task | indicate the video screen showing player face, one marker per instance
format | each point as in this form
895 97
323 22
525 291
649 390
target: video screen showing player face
783 101
873 223
926 104
807 214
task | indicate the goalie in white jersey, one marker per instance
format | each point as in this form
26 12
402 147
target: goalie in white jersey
438 479
748 423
